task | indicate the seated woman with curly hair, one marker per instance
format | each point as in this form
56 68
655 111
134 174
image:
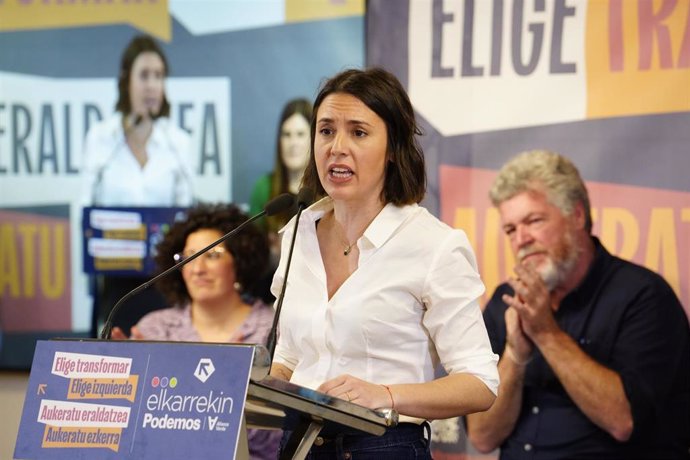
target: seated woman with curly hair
209 296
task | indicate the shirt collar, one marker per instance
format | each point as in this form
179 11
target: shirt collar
310 215
158 136
387 222
595 272
380 229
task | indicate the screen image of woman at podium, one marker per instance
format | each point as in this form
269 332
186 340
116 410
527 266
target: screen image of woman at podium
136 157
379 290
211 297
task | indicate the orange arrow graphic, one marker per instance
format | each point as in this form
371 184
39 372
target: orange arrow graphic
41 389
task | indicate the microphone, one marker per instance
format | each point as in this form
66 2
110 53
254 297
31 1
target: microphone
137 121
304 198
275 206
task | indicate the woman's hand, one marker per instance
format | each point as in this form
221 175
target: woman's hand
280 372
358 391
119 334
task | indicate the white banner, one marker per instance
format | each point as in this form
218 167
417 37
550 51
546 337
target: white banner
484 73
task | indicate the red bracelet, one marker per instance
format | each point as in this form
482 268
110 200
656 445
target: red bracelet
390 393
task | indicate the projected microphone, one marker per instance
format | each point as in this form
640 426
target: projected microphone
138 118
304 199
96 188
275 206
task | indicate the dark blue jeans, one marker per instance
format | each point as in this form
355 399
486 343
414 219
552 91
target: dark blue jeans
405 441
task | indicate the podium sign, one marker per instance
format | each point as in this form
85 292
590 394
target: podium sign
133 399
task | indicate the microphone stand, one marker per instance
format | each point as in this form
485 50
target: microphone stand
275 206
304 197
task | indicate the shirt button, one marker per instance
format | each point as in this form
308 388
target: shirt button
318 441
535 410
527 447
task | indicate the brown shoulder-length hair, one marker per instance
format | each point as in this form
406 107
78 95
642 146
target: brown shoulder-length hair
249 248
380 90
139 44
279 177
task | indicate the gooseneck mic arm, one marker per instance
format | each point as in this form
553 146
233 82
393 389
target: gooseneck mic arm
275 206
304 199
96 192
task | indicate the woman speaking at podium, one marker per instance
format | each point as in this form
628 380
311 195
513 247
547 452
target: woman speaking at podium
380 291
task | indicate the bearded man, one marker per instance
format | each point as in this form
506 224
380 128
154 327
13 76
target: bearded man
595 350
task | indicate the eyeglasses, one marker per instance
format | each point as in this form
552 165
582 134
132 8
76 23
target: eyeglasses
211 255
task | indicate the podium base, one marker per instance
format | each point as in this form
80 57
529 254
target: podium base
301 440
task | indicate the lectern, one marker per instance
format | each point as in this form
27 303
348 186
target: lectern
273 403
306 411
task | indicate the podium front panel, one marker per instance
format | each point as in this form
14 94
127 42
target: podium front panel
134 399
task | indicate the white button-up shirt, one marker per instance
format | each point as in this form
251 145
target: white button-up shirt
112 176
411 303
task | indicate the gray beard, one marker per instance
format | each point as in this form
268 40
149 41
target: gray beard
551 275
555 273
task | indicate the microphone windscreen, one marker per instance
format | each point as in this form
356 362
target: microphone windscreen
279 204
304 197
